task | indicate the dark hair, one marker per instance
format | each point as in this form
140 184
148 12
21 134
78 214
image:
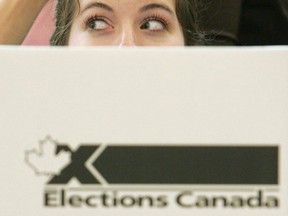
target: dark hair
187 14
189 18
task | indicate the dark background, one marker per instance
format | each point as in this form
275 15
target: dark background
245 22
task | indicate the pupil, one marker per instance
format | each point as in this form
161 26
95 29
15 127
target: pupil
146 25
92 24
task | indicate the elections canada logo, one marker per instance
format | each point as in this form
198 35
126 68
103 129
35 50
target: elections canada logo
156 176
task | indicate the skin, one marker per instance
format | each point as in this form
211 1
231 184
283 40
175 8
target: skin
16 19
126 23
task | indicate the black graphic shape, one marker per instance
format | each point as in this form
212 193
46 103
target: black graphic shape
64 148
77 169
189 165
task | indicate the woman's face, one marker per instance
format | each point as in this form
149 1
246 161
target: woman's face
126 23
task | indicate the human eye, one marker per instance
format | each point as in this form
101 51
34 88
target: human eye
154 23
98 23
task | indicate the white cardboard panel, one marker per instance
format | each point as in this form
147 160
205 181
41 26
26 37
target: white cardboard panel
164 97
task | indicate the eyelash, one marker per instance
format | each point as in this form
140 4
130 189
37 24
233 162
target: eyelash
90 19
159 18
154 17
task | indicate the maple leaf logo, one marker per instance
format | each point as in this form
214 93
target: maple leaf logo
47 160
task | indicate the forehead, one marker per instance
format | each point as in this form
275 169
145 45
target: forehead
129 3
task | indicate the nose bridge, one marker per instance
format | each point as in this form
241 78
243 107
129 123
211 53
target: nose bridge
127 35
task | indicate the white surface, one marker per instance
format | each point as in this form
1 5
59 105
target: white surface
189 96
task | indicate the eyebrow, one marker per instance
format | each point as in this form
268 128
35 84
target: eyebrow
98 5
155 6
